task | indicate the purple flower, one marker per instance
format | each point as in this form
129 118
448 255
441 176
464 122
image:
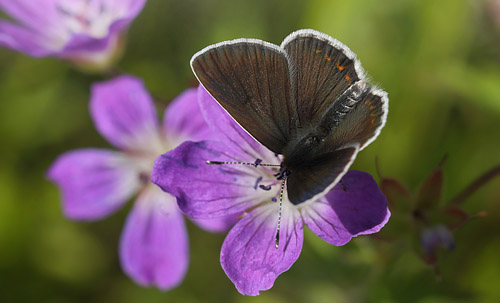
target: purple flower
353 207
85 31
96 182
439 236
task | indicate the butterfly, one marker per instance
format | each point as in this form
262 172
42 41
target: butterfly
307 100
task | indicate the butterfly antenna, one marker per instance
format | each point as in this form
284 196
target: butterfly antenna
257 162
277 238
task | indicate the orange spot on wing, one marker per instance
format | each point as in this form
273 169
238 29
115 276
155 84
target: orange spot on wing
372 107
347 77
327 58
318 51
372 115
340 67
373 121
367 102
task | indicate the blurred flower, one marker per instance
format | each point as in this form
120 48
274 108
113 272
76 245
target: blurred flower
96 182
435 237
249 256
423 216
87 32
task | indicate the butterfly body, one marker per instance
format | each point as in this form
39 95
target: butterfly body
307 100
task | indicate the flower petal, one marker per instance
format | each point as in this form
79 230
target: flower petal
154 249
356 206
134 7
80 44
124 113
85 43
21 39
51 27
37 16
238 140
94 182
207 191
183 119
249 256
217 225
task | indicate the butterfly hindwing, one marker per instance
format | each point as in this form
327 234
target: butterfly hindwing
356 117
250 80
314 178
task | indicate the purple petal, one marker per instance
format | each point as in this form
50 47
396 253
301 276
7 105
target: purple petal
438 236
154 248
217 225
202 190
356 206
249 256
94 182
134 7
46 22
238 140
21 39
36 16
183 119
124 113
83 44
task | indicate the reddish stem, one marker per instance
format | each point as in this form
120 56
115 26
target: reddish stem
475 185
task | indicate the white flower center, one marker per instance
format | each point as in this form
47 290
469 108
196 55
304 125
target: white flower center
153 144
267 186
89 17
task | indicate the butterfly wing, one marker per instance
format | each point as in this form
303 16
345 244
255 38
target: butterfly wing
323 68
250 79
335 98
357 116
313 179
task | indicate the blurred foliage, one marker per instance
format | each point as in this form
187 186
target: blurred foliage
439 61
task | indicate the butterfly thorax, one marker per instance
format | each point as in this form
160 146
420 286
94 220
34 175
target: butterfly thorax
302 150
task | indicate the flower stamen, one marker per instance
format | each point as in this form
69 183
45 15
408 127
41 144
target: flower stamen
257 182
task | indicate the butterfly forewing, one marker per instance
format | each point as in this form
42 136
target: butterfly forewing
312 179
323 69
250 79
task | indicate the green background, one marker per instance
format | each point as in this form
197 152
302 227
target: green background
439 62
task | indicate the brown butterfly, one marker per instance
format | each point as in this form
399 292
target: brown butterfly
307 100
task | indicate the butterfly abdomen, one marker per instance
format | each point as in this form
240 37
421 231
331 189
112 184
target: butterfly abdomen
343 106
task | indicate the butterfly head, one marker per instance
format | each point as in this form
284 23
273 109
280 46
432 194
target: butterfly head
283 173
